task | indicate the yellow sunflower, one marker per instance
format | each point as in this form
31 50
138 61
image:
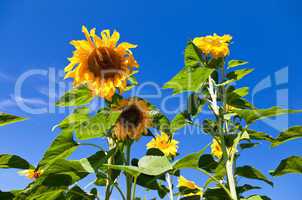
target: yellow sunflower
134 119
214 45
100 63
189 185
165 144
31 173
217 151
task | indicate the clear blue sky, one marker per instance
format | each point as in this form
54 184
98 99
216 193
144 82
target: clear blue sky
35 34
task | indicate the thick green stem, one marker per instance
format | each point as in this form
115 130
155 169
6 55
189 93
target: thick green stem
134 189
228 156
128 177
111 145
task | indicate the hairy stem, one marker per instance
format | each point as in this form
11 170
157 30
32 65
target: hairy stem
168 179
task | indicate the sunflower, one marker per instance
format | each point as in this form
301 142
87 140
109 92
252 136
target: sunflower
133 121
164 143
31 173
100 63
216 149
189 188
214 45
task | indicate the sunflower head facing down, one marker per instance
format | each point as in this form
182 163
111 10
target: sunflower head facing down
214 45
101 63
164 144
133 121
188 188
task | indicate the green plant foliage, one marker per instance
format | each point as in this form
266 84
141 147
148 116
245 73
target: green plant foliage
6 119
258 114
14 161
235 63
77 96
290 134
62 147
289 165
193 76
252 173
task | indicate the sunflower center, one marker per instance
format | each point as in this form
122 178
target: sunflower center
131 116
104 62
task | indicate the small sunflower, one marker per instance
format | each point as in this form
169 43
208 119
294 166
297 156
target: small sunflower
188 188
165 144
134 119
100 63
214 45
217 151
31 173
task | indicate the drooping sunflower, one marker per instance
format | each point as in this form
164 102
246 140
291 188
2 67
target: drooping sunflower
164 144
31 173
214 45
101 63
188 188
134 120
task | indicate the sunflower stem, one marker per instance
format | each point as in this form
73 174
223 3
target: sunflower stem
111 145
168 179
128 177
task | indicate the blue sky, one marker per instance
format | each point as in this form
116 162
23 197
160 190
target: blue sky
35 35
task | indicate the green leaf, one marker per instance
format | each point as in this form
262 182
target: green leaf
195 104
290 134
76 193
207 163
189 79
289 165
132 170
234 97
154 165
257 114
98 125
160 121
193 56
48 195
248 145
74 120
61 148
258 197
189 161
255 135
179 121
246 188
13 161
235 63
9 119
237 75
77 96
252 173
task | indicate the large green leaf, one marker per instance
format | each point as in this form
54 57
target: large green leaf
258 197
290 134
75 120
237 75
160 121
195 104
255 135
98 125
292 164
154 165
189 161
9 119
14 161
61 148
149 165
252 173
179 121
193 56
235 63
257 114
189 79
77 96
48 195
